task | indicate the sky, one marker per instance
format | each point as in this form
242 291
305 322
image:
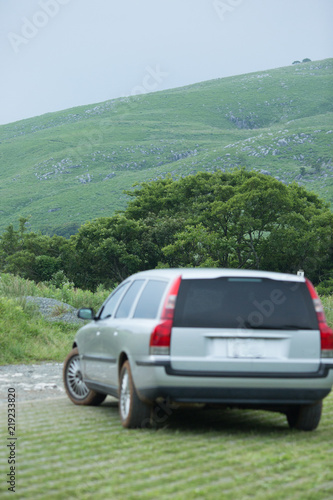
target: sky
57 54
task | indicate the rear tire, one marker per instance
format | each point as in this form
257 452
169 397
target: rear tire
133 412
76 389
305 417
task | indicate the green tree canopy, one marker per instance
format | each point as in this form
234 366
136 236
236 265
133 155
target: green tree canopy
240 219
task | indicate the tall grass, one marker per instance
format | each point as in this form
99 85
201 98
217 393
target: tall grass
328 306
25 336
15 287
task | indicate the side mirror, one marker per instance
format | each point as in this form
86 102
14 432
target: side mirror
86 313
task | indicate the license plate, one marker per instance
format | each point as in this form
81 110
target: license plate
246 348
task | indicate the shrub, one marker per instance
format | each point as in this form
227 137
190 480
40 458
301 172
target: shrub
325 288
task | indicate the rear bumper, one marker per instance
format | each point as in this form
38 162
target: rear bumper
322 372
157 378
235 396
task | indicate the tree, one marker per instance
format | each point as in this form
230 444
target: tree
31 255
106 251
239 220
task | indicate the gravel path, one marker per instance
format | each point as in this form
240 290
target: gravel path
55 310
32 381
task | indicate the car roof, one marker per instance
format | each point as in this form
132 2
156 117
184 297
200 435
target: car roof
211 273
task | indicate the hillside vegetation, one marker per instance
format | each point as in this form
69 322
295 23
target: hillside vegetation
70 167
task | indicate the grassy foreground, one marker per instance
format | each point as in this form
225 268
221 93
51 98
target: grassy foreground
69 452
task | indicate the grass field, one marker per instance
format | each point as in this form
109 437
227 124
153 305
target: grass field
69 452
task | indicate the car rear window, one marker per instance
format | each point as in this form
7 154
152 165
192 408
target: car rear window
244 303
150 300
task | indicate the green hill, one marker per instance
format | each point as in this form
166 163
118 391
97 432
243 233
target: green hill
68 167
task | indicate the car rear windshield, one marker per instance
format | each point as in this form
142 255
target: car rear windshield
244 303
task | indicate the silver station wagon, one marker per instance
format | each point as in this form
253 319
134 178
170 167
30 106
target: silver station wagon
220 337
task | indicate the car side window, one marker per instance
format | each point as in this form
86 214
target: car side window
150 299
110 306
128 299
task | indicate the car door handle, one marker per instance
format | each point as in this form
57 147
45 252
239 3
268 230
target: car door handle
115 333
98 333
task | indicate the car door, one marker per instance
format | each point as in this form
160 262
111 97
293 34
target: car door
96 359
111 325
114 327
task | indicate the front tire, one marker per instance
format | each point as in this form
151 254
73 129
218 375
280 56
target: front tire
305 417
133 412
76 389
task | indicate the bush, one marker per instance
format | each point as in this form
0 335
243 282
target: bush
325 288
328 307
59 279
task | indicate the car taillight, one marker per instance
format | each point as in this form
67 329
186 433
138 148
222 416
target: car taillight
326 333
161 335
